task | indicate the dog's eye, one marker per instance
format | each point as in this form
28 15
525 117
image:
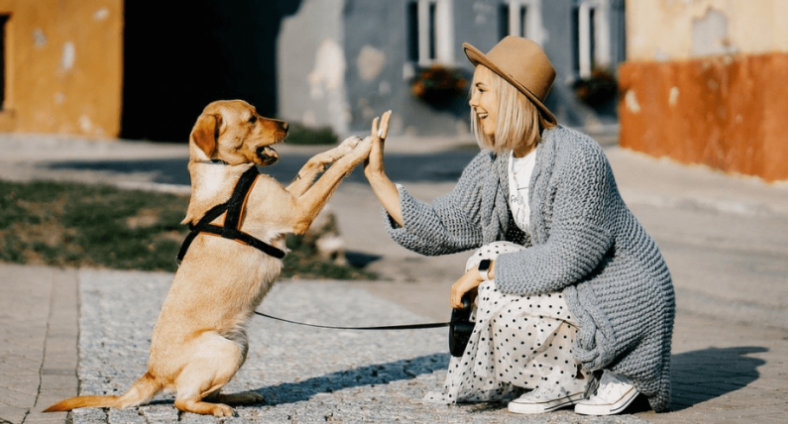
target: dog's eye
252 119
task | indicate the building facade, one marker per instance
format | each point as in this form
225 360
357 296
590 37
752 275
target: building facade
342 62
61 66
704 83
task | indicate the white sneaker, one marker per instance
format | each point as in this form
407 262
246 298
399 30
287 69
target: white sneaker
546 399
614 394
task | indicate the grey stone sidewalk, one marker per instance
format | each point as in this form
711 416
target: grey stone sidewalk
38 334
725 239
306 375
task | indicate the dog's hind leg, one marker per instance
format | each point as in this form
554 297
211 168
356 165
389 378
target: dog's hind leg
213 362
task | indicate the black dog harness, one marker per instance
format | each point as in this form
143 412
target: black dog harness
230 230
232 221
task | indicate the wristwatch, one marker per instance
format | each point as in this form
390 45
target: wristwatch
484 267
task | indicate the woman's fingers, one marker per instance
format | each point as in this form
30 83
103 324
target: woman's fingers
455 304
383 131
467 283
380 128
375 128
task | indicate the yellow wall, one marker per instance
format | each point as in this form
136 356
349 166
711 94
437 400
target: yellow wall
663 29
64 65
704 83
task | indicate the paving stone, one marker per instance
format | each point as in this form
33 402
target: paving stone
305 374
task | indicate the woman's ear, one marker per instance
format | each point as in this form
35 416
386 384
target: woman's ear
206 132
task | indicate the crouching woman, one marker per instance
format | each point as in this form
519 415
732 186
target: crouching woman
574 304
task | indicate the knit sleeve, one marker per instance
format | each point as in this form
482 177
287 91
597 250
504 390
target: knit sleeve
450 223
578 238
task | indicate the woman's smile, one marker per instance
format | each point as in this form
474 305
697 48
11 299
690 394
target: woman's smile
484 100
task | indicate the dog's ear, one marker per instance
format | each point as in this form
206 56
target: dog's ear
206 132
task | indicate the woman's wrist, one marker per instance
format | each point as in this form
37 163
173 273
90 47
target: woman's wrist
486 270
375 175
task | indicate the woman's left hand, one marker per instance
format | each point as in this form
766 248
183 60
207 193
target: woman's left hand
467 283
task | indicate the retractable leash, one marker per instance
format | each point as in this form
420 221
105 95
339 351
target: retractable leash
460 328
385 327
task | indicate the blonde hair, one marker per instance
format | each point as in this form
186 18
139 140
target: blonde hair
519 120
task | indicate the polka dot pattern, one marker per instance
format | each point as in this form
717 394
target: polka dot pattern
518 342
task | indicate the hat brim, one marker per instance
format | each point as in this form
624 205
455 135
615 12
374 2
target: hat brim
478 58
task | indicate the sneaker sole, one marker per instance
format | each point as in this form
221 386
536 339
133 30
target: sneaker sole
538 408
615 408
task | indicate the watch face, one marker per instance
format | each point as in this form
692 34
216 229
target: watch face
484 265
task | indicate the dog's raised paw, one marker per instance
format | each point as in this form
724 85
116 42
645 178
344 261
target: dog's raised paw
349 143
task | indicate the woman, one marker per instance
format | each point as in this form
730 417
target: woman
574 300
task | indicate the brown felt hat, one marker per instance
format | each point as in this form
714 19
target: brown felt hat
523 64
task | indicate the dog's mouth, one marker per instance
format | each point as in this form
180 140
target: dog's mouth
267 155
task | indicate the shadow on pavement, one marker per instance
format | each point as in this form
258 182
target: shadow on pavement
428 167
373 374
702 375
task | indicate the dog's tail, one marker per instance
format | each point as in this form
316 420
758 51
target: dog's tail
141 391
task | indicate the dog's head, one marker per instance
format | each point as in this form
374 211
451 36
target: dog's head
233 131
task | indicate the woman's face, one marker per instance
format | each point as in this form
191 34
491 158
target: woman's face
484 100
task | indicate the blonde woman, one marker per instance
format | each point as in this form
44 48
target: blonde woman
574 304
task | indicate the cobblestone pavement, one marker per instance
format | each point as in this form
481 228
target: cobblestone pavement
306 375
725 239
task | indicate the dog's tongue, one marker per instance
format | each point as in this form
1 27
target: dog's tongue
268 155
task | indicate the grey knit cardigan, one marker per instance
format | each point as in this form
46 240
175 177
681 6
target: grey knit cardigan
582 240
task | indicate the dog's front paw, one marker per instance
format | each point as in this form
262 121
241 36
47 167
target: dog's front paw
362 150
348 144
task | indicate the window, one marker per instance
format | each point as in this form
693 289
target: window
523 18
430 32
592 42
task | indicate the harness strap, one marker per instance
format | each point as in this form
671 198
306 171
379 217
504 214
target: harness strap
234 208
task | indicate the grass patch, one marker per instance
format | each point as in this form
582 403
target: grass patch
74 225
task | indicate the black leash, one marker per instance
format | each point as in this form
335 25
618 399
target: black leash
387 327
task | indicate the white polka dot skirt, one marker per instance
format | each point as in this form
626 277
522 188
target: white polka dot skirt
519 342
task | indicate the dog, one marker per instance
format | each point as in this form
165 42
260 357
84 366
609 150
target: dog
199 341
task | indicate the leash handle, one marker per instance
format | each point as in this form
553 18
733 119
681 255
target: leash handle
387 327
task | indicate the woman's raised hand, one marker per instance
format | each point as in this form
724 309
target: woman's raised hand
381 185
373 166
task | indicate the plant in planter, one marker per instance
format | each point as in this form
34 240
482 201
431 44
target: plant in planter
598 89
438 85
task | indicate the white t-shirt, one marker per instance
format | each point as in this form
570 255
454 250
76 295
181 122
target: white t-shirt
520 170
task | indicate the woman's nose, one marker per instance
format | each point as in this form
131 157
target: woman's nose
473 101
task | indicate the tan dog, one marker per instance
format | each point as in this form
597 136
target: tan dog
199 341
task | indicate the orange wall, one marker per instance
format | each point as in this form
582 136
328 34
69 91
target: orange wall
64 64
726 112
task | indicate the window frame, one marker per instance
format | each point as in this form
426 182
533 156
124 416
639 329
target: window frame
435 33
593 37
533 19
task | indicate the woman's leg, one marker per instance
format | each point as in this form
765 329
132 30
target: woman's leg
518 342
